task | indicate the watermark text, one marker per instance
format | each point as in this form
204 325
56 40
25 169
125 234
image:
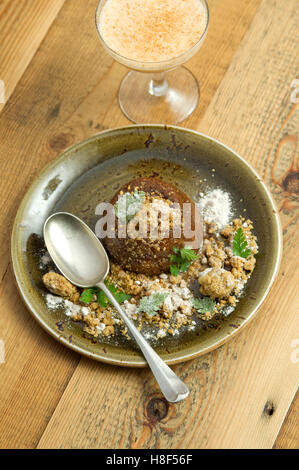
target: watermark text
295 352
153 221
295 92
2 92
2 351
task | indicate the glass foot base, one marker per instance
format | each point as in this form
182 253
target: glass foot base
170 103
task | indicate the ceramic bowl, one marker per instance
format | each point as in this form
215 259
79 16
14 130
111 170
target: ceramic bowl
91 172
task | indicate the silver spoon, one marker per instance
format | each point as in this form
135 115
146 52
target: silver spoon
82 259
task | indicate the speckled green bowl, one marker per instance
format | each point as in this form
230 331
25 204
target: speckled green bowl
91 172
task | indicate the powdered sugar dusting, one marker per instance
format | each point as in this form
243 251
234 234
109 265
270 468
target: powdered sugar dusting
215 207
70 309
53 301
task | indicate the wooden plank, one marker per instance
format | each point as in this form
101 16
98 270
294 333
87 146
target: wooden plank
272 149
34 375
238 398
23 25
36 368
268 140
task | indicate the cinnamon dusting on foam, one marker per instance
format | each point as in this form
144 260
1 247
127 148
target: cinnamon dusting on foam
152 30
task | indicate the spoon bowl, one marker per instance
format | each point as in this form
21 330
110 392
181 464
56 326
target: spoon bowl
75 249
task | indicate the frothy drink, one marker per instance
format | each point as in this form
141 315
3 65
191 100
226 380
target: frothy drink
151 30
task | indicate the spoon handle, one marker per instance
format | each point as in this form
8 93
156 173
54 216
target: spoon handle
173 389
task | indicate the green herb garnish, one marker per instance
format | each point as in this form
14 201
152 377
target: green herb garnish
151 304
204 305
240 244
188 254
128 205
119 296
174 270
181 260
88 295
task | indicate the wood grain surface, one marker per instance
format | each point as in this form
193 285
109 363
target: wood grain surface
240 393
23 26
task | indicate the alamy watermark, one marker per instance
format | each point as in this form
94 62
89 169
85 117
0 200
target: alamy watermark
2 351
295 93
295 352
2 92
155 220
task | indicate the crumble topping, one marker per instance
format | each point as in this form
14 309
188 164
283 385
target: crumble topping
217 274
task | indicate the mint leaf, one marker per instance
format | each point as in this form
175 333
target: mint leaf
175 259
128 205
120 296
174 270
188 254
88 294
102 299
204 305
181 260
151 304
184 266
240 244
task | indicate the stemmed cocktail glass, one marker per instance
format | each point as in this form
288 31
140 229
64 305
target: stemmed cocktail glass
157 91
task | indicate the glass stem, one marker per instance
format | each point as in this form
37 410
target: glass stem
158 85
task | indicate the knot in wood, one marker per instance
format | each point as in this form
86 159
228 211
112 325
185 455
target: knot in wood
291 182
157 409
61 141
269 408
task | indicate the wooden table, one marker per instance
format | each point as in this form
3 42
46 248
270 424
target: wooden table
61 87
